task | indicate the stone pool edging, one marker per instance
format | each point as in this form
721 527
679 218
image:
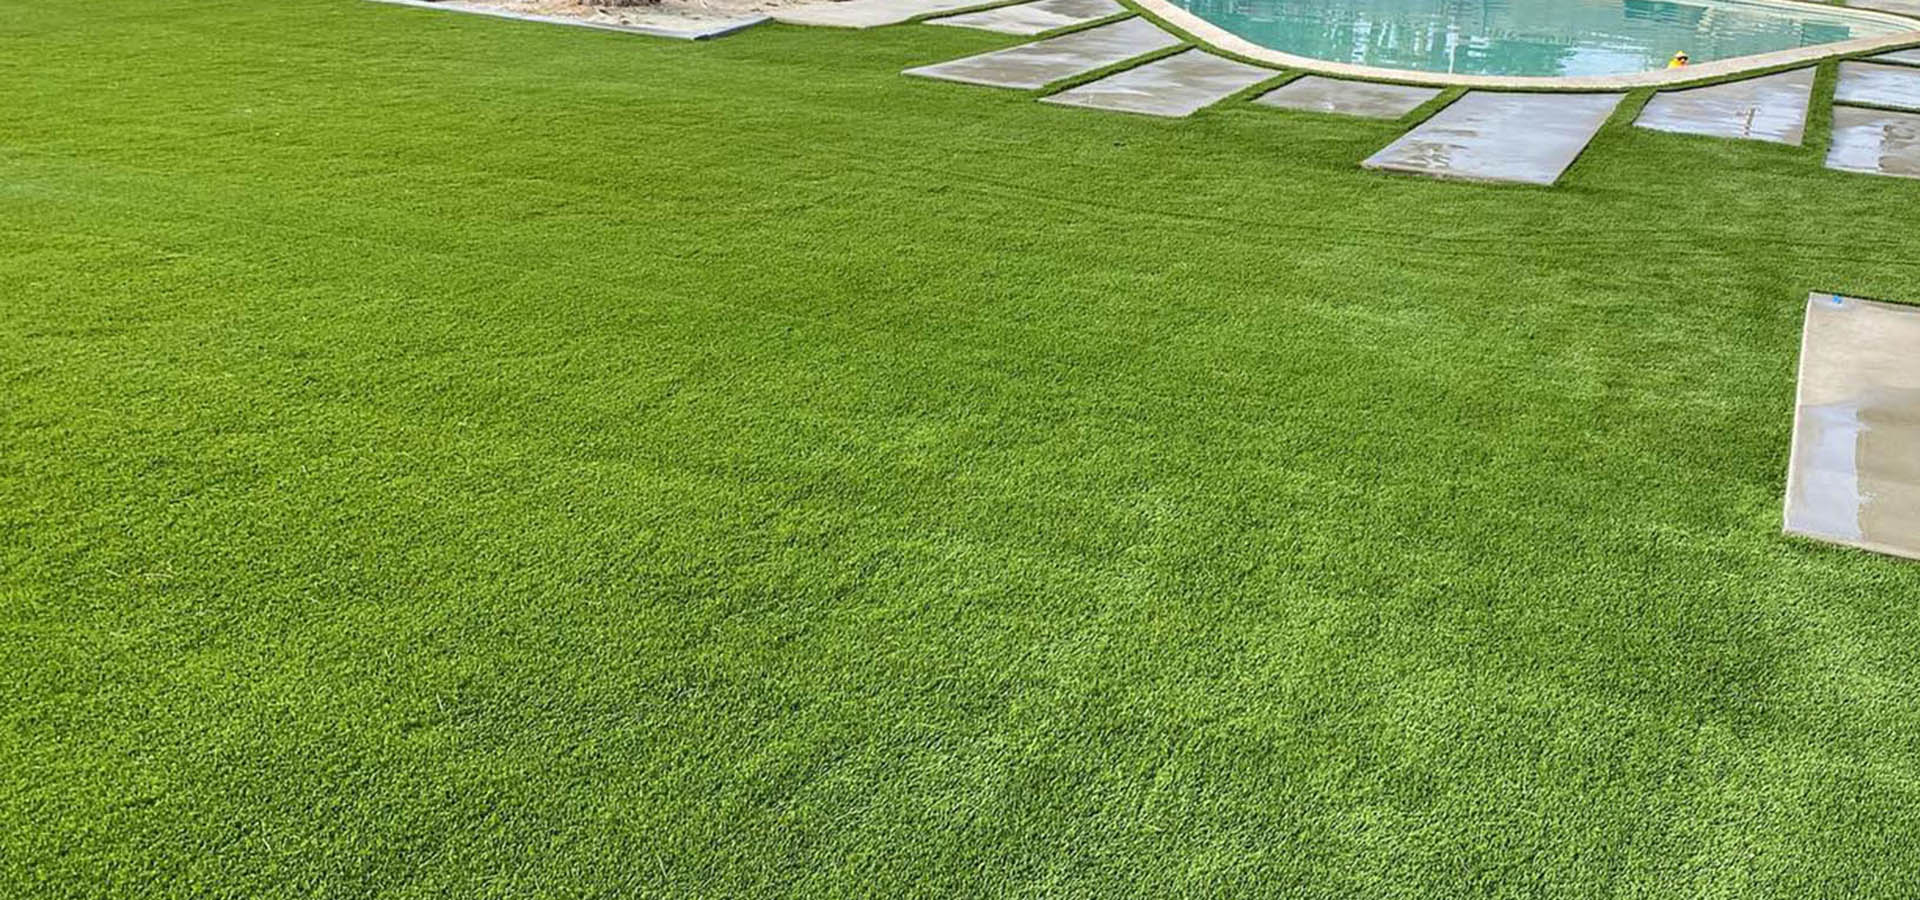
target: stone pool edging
1207 34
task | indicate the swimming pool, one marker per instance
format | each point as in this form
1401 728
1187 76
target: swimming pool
1534 38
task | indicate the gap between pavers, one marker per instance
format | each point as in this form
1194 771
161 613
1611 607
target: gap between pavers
1365 99
1173 86
1034 18
1769 108
868 13
1036 65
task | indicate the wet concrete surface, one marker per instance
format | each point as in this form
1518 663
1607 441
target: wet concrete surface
1854 478
1033 18
866 13
1041 63
1503 137
1772 108
1348 98
1876 142
1902 7
1877 85
1178 85
1908 57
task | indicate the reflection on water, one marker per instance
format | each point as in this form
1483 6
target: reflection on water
1546 37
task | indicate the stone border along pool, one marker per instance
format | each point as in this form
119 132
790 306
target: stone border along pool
862 14
1503 130
1208 34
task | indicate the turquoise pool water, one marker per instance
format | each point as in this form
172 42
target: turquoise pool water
1530 37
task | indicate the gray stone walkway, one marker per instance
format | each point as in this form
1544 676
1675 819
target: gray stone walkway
1035 17
866 13
1772 108
1348 98
1503 137
1178 85
1875 142
693 31
1907 57
1854 478
1902 7
1877 85
1036 65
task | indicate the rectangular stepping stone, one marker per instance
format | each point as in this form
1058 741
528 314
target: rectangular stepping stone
1876 85
693 30
1906 57
1901 7
1036 65
1033 18
1178 85
1772 108
866 13
1854 475
1348 98
1875 142
1502 137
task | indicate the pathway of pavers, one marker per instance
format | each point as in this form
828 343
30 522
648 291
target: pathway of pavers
1036 65
1035 17
1497 136
1877 85
1348 98
866 13
1772 108
1906 57
1494 136
1178 85
1875 142
1854 478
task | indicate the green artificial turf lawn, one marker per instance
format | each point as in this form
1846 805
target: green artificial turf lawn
450 457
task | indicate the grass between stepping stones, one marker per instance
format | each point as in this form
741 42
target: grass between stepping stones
1245 96
1818 138
1092 75
449 457
963 10
1082 26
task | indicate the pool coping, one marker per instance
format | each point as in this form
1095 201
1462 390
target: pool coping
1219 38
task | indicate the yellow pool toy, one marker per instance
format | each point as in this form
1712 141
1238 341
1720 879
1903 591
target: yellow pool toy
1679 60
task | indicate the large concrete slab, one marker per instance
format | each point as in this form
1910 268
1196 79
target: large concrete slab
1772 108
1900 7
1348 98
1503 137
1904 57
1854 478
1178 85
1033 18
867 13
1875 142
693 29
1876 85
1041 63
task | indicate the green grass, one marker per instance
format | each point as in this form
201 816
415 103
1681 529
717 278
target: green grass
450 457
